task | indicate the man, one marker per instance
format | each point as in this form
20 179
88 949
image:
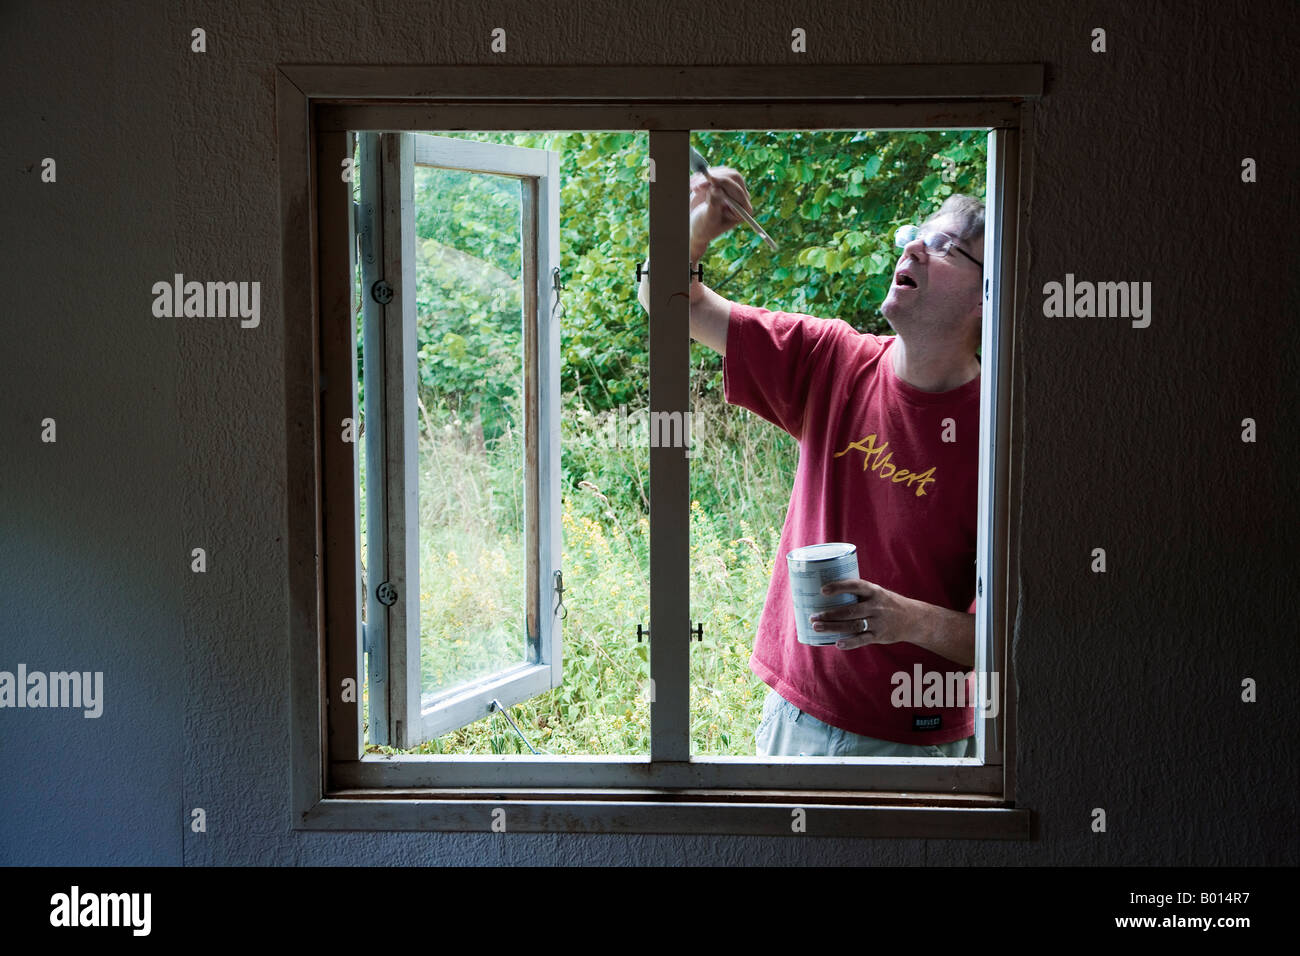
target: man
888 432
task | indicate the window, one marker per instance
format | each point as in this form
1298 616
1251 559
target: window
516 645
336 784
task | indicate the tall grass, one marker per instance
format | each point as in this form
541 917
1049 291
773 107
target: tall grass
472 582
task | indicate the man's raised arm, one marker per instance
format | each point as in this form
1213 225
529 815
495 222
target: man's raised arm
710 313
711 216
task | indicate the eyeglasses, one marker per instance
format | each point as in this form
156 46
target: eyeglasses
937 244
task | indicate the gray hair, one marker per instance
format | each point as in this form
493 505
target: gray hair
967 211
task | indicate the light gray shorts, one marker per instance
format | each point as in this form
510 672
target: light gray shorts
787 731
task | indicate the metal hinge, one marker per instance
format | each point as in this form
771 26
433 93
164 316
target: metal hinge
363 221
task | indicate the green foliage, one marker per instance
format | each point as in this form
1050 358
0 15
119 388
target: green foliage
469 293
832 200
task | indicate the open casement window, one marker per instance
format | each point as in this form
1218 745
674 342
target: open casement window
337 782
417 690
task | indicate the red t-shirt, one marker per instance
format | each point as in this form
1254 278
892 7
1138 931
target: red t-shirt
875 471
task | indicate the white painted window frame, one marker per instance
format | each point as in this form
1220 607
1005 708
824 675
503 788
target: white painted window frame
401 715
335 785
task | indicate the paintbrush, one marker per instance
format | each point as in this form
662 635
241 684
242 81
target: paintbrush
699 165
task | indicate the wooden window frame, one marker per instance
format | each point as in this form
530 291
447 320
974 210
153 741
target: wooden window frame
334 785
400 714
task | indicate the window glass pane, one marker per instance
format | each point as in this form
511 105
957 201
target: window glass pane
469 323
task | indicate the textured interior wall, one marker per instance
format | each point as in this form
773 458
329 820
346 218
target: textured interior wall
170 431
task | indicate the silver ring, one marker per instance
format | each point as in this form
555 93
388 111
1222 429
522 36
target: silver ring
866 626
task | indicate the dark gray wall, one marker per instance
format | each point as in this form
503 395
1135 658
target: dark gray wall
171 432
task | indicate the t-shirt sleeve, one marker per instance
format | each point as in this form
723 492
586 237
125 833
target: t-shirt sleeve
773 359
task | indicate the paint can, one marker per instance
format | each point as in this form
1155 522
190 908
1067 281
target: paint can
810 568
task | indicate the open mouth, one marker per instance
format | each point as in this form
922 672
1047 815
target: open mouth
905 281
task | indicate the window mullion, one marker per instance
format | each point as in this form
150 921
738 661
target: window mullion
669 475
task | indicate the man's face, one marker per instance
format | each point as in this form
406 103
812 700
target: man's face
937 297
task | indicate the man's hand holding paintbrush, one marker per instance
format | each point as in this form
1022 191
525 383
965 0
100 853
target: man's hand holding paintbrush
700 165
715 196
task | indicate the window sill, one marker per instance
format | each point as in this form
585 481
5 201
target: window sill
713 812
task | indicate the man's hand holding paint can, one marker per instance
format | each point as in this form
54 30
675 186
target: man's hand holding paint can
811 568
